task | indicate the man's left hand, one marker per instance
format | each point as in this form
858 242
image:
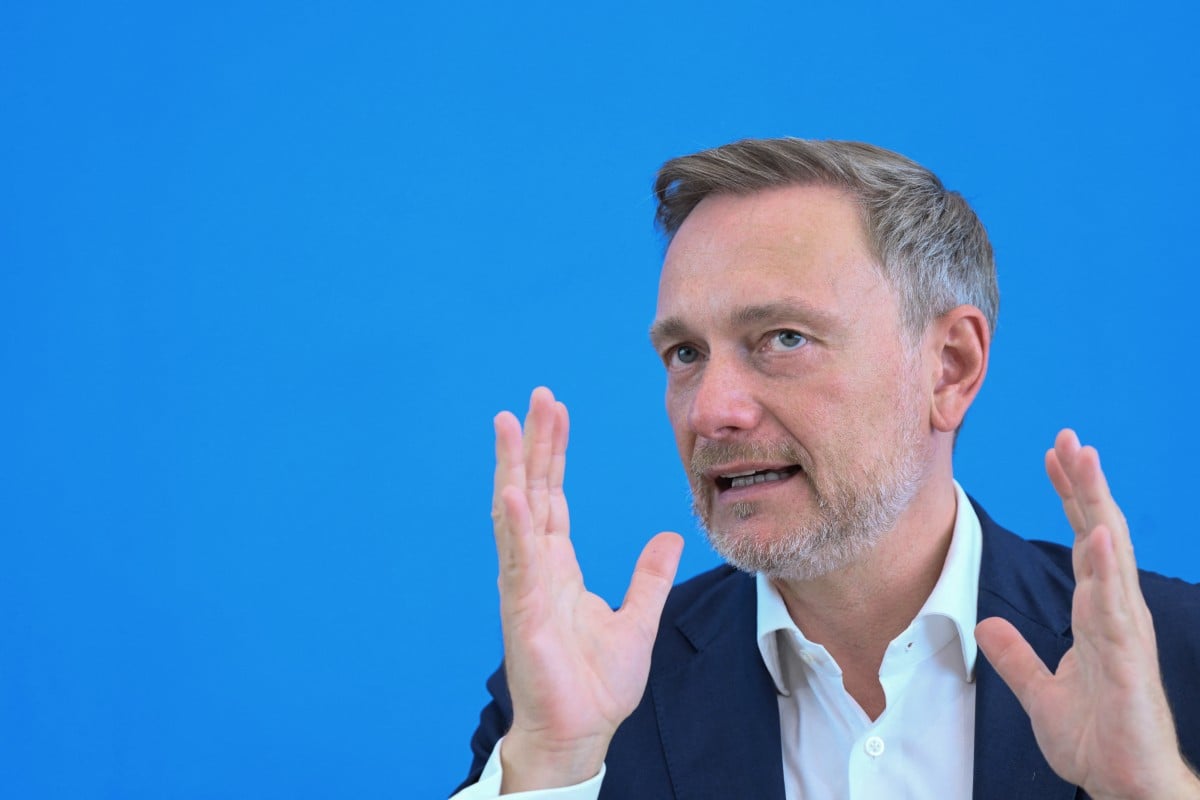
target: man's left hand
1102 718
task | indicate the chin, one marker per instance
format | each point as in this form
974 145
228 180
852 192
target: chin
792 550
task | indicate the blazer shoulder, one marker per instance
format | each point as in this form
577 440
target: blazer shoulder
1037 579
716 603
686 594
1024 579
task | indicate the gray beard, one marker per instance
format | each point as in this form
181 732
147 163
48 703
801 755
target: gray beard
849 521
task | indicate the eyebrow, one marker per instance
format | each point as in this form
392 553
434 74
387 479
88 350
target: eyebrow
666 329
788 309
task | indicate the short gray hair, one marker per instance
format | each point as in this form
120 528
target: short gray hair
930 245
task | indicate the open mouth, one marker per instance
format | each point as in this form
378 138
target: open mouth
740 480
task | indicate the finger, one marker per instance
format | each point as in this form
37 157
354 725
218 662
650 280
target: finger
1062 485
519 554
1100 509
1066 492
1092 492
510 472
1119 616
510 461
1102 575
652 580
1012 658
1065 450
558 521
538 445
1097 496
1080 479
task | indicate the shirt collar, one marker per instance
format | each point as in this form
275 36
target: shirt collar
954 598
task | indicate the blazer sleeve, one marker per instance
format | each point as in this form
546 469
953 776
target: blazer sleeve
494 722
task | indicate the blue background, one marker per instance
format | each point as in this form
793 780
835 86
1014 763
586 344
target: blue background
268 270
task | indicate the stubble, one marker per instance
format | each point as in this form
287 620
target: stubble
852 508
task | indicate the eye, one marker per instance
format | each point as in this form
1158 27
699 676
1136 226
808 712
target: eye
787 340
684 354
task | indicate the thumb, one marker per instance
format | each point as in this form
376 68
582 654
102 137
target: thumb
652 580
1012 658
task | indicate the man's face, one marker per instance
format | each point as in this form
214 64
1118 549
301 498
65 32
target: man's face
796 398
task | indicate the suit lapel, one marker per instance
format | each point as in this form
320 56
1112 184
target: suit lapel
1020 583
717 712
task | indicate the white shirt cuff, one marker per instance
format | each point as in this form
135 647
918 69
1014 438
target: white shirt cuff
488 786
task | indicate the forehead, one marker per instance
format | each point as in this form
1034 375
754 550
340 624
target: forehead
794 241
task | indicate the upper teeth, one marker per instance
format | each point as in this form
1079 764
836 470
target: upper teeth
752 477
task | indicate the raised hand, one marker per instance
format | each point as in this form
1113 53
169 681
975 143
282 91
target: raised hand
576 669
1101 719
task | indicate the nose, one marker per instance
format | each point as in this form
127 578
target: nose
722 401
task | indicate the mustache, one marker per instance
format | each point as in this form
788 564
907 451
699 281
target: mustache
711 454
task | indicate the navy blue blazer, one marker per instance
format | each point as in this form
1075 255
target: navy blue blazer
707 727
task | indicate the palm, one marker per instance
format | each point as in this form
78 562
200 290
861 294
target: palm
576 668
1095 696
583 664
1101 719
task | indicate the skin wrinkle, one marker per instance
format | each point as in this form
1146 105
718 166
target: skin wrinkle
817 323
853 510
852 409
830 289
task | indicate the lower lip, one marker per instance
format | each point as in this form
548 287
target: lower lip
754 490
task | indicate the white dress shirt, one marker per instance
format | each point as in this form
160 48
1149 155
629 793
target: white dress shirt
922 745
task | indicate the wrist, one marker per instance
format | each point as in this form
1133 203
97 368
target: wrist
531 762
1179 784
1186 785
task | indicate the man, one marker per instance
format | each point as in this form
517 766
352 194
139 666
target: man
825 313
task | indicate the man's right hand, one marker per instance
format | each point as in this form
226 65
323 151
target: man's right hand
576 668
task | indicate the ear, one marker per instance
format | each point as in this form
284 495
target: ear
959 340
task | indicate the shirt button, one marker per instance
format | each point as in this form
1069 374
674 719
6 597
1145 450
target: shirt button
807 657
873 746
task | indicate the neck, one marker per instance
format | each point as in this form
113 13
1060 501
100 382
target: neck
856 612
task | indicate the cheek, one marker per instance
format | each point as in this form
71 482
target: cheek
677 413
888 404
821 404
837 416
